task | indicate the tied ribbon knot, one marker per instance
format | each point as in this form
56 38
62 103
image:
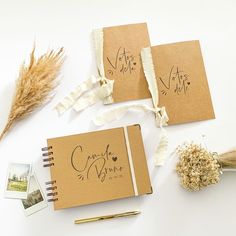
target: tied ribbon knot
161 116
106 89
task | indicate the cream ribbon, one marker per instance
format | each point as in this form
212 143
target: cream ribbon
160 112
131 164
98 37
161 115
86 94
104 90
118 112
148 66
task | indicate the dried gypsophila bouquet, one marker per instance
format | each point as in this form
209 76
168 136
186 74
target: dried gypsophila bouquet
34 85
199 168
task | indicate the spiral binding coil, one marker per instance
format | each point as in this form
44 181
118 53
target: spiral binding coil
47 152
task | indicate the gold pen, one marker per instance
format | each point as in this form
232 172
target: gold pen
129 213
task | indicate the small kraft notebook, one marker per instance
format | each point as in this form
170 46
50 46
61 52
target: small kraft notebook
96 167
181 80
118 59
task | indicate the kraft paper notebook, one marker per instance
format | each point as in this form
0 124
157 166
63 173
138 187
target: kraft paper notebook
120 75
96 166
181 81
118 59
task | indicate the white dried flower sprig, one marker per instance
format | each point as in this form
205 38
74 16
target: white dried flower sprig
197 167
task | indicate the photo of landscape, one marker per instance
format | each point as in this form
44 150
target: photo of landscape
18 177
34 196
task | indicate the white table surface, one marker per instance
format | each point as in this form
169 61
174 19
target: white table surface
170 210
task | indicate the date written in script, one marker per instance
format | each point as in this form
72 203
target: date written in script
95 165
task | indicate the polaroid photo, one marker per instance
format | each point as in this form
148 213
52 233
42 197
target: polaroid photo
17 183
35 200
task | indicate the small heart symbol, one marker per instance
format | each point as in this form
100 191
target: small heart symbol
134 63
188 83
114 158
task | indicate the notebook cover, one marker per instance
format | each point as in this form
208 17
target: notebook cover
122 61
182 82
94 167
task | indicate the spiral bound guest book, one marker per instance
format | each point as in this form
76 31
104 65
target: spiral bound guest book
96 166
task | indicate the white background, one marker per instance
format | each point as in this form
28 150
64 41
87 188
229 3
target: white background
170 210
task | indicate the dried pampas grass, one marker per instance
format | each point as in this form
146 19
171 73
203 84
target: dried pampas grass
34 85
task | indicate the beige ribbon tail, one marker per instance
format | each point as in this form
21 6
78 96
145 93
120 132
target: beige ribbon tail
70 99
161 149
75 99
94 96
117 113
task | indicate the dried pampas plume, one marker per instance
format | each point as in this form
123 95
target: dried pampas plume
34 85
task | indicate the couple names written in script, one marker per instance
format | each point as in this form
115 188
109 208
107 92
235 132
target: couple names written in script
101 166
